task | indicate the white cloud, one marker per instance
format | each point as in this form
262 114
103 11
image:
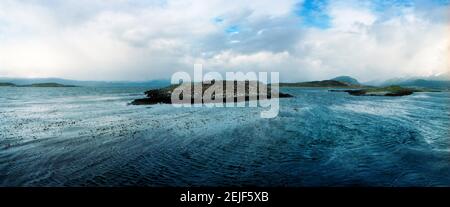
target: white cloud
405 45
137 40
350 17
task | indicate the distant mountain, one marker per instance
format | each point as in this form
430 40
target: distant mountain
7 84
421 83
324 83
43 85
338 82
439 81
36 85
147 84
347 79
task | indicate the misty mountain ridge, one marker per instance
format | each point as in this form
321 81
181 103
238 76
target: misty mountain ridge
30 81
437 81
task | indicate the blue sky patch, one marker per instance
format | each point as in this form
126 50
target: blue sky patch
313 13
232 29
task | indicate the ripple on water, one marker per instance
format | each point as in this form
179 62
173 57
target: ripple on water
80 137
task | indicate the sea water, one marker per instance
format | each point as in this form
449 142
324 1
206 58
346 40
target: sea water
88 136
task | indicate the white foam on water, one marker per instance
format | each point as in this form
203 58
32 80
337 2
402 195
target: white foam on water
378 108
420 95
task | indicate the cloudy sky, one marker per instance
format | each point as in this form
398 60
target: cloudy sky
152 39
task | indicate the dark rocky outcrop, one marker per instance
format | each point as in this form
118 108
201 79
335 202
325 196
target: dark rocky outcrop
385 91
164 95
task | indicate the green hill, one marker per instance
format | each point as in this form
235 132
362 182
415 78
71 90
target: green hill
48 85
7 84
347 79
324 83
36 85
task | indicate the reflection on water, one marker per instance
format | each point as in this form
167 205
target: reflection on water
92 137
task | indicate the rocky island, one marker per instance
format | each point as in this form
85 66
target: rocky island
353 87
164 95
383 91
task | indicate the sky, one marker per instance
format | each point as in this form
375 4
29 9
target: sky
152 39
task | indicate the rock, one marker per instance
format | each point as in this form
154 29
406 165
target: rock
164 95
385 91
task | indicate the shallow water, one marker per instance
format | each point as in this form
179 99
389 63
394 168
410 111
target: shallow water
92 137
